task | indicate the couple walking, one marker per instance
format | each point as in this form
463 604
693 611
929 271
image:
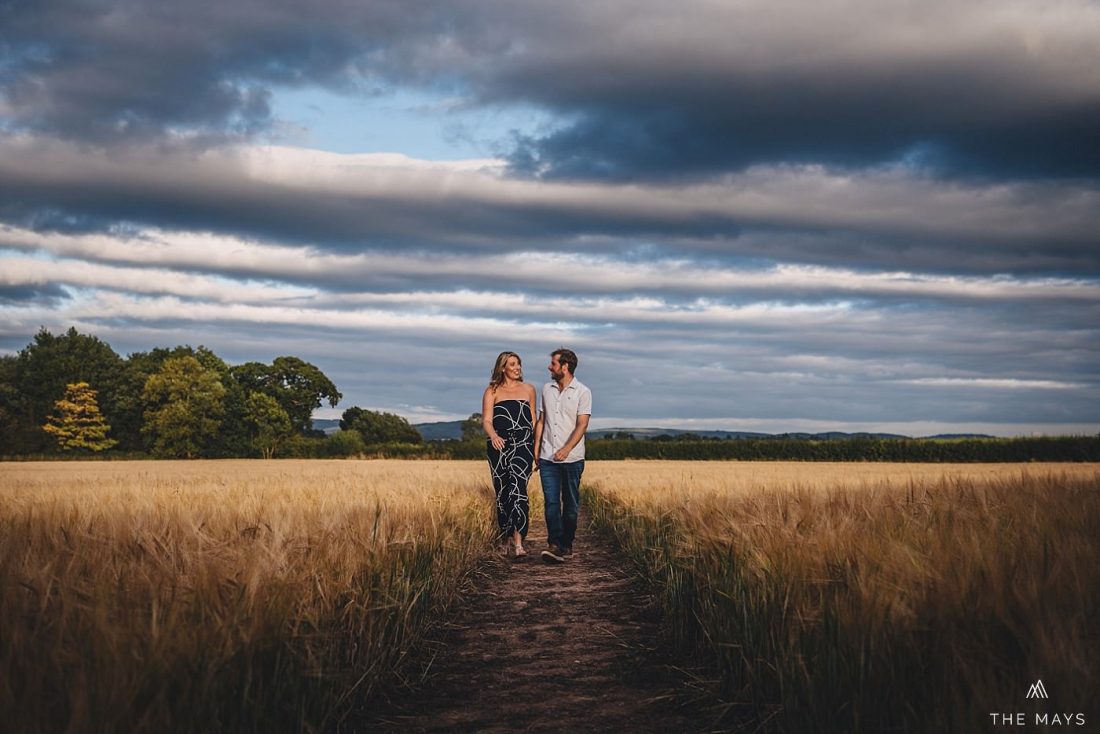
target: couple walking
508 410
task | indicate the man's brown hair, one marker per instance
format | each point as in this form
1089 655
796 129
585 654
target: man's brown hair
567 357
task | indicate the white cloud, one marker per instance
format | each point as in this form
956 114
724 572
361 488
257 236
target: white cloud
158 251
378 198
16 271
996 383
108 305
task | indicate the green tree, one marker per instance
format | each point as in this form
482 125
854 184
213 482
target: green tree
298 386
184 407
472 429
343 443
377 427
233 437
49 363
77 422
12 434
269 423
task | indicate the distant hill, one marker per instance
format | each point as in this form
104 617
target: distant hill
452 431
440 430
949 436
328 425
651 432
644 433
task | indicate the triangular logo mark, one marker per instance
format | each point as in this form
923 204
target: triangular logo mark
1038 690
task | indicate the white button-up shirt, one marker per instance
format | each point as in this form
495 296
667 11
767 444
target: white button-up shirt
560 410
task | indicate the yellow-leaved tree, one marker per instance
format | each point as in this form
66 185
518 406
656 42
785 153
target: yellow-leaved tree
77 423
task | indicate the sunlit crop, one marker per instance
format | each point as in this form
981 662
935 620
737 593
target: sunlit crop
271 596
871 597
234 596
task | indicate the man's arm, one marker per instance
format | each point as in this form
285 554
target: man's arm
538 432
574 438
538 440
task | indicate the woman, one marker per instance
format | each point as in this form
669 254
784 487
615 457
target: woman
507 415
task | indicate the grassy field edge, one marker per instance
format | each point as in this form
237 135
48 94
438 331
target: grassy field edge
919 608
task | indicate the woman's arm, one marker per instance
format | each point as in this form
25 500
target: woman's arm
532 401
487 419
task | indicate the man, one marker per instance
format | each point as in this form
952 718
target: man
559 434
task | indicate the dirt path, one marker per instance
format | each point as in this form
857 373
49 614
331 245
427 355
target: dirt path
540 647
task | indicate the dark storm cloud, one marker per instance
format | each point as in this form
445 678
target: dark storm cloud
884 219
986 88
638 141
114 71
57 188
641 89
49 294
995 113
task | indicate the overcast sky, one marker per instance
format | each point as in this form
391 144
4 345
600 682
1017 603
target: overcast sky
751 215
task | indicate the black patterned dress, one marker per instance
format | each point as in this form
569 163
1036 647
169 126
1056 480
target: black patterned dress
511 466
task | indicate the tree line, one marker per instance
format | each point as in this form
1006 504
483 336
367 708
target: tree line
954 450
918 450
73 394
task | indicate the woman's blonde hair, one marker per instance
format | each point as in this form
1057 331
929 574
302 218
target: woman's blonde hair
498 369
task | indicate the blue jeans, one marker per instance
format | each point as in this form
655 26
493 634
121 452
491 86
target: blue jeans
561 491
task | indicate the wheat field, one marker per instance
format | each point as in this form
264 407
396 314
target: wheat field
251 596
871 597
222 595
